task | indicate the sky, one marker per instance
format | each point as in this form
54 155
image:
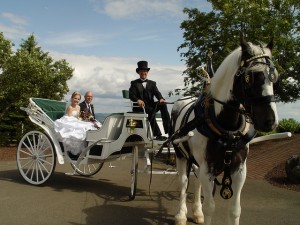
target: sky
104 39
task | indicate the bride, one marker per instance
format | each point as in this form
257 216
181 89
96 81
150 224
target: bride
71 130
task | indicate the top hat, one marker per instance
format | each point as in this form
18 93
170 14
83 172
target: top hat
142 65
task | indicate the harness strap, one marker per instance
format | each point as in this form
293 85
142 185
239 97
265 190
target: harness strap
226 190
210 119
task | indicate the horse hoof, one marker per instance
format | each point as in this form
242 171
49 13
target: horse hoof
180 221
198 220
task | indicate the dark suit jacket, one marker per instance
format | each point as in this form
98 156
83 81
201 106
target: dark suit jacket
83 107
137 91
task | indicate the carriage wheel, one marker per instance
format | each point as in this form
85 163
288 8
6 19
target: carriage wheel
36 158
87 169
134 172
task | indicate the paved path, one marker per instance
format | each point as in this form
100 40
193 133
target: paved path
262 159
103 200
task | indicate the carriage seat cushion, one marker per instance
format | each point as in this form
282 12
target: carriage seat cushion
54 115
54 109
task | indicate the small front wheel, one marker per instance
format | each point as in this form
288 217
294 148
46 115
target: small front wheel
87 169
36 158
134 172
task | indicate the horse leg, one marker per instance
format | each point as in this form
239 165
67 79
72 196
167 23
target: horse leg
207 187
234 209
180 218
198 216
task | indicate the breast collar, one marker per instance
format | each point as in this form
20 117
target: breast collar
213 124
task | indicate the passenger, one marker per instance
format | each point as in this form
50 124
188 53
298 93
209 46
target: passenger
72 108
143 91
71 130
86 105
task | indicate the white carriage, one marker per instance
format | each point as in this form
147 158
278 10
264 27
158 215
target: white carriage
122 134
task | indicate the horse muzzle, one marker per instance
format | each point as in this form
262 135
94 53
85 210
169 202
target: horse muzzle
264 118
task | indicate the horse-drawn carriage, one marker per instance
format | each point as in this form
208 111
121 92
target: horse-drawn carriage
212 132
121 135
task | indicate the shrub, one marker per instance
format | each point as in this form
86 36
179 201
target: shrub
288 125
260 133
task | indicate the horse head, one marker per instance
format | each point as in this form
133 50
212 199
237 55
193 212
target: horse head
253 85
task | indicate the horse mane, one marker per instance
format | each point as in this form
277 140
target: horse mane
222 81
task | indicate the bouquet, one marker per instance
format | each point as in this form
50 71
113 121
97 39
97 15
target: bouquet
88 117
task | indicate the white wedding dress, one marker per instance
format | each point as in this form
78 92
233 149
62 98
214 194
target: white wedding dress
72 132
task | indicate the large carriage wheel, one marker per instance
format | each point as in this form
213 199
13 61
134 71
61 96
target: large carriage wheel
36 157
134 172
87 169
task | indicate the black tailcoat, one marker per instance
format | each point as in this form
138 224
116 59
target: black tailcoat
137 91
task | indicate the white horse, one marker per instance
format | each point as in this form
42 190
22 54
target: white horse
213 132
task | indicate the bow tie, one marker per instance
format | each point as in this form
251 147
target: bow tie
142 81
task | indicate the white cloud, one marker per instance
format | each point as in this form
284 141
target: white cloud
107 77
128 9
13 33
120 9
13 26
16 20
78 38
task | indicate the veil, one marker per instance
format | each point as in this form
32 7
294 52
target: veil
68 104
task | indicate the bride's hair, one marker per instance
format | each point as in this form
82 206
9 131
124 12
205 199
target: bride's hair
70 100
76 93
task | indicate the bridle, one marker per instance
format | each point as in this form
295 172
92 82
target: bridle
247 77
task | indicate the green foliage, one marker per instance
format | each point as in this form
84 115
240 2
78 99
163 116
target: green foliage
28 72
259 21
260 133
288 125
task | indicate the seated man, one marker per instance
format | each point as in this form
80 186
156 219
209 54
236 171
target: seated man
86 105
143 91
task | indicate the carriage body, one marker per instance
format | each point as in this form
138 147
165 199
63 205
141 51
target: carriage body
121 134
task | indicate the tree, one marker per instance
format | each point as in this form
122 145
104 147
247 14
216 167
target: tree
29 72
259 20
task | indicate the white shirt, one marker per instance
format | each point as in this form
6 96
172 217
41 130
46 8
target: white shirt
144 83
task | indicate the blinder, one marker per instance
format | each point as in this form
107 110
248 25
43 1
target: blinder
272 73
247 76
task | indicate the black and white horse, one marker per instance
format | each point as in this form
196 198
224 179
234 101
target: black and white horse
213 132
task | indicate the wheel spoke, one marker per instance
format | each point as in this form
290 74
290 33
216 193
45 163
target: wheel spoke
33 169
45 168
29 148
41 170
40 144
87 169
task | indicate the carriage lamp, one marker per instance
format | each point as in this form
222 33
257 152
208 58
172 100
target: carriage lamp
131 124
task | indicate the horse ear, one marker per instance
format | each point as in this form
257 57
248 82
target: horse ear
245 46
270 44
